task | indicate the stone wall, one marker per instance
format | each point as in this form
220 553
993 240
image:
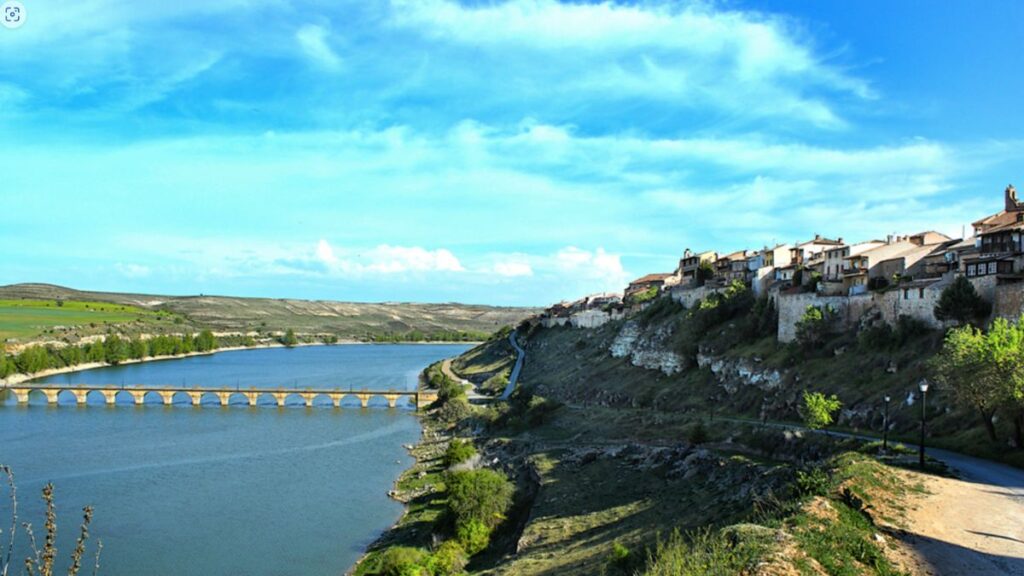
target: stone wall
589 318
689 297
1009 301
792 307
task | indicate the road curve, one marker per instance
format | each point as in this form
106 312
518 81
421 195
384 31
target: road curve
972 525
514 376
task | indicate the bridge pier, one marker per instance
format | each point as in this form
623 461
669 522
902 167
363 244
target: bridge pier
51 395
196 397
109 395
22 396
392 399
363 399
139 396
336 399
167 395
80 395
252 397
308 398
280 396
224 397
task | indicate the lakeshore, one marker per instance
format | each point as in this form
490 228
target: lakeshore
19 378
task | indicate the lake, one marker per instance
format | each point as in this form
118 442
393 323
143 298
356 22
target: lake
234 490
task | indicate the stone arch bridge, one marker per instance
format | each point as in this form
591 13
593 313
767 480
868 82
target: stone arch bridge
195 395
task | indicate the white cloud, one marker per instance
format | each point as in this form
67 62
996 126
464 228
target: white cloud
513 266
313 41
746 62
597 265
132 270
385 259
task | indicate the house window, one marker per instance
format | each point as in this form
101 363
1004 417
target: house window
920 292
906 293
970 269
991 267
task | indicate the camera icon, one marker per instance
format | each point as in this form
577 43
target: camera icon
12 14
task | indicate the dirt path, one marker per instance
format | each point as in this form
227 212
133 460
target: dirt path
472 394
973 525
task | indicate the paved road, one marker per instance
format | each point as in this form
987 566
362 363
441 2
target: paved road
972 525
513 378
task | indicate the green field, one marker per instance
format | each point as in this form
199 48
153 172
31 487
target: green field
27 319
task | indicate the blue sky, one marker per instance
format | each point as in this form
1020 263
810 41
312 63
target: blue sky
515 152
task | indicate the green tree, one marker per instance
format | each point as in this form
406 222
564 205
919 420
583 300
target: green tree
814 326
205 341
115 349
961 303
962 366
289 338
458 451
32 359
818 410
448 560
137 348
96 352
482 495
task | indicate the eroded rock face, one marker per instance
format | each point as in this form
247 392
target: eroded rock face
733 373
647 350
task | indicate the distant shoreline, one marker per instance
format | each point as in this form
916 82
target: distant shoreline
20 378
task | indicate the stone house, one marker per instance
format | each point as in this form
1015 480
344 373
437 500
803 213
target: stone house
762 266
732 267
645 283
802 254
690 262
898 255
1000 243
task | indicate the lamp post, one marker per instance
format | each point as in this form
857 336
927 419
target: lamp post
885 426
923 386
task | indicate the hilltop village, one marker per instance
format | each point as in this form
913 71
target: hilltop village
900 275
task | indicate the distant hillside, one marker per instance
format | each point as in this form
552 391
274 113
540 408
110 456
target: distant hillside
347 320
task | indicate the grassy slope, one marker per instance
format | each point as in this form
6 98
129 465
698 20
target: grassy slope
598 487
24 319
344 319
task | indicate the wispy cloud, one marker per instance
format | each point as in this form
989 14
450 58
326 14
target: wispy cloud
313 41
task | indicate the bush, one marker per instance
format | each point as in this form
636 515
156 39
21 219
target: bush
481 495
474 536
401 561
622 559
458 451
701 554
448 560
818 409
448 389
961 303
454 410
815 326
816 482
206 341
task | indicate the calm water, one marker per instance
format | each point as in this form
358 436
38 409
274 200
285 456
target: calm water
236 490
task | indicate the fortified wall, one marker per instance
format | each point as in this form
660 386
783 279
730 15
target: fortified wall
917 301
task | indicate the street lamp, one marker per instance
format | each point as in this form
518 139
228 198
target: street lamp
923 386
885 426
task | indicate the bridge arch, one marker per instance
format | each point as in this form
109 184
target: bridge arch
238 399
377 401
350 400
152 397
323 399
95 397
181 397
123 397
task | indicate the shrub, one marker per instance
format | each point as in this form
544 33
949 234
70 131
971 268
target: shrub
289 339
458 451
818 409
481 495
401 561
206 341
448 560
473 536
448 389
961 303
816 482
814 326
454 410
622 559
701 554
